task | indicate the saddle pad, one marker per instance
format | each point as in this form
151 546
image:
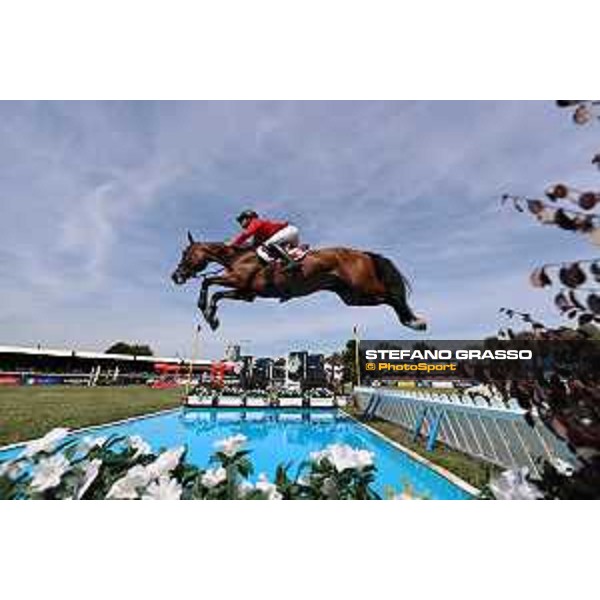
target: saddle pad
299 252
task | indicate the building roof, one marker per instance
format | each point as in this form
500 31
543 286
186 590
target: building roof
38 351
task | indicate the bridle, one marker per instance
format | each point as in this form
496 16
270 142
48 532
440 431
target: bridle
223 259
223 262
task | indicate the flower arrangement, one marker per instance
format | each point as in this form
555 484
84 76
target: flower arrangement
59 467
232 390
258 393
320 393
200 395
287 393
203 391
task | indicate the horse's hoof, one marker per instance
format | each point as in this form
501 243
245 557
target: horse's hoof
417 324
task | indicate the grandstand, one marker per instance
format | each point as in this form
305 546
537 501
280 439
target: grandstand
21 365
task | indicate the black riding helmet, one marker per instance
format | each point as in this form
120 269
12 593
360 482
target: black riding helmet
246 214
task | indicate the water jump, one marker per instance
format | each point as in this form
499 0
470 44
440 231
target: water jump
266 260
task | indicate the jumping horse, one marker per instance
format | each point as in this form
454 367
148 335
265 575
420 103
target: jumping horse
359 278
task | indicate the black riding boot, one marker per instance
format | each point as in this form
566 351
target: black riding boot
290 264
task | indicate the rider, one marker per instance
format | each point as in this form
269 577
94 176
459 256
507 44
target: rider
270 238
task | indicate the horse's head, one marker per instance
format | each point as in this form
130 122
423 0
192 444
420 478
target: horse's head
194 259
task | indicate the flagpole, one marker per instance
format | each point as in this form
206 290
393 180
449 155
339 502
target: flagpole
195 345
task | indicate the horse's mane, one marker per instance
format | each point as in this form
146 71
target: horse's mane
231 250
224 253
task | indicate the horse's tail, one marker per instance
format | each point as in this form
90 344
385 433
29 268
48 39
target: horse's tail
395 282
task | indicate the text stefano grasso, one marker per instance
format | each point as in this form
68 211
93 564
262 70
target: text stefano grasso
415 354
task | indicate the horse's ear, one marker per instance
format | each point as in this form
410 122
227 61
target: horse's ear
190 238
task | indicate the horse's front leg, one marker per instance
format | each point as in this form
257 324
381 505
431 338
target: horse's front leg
203 297
211 314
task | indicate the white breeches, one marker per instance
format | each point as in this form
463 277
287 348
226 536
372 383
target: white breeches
288 236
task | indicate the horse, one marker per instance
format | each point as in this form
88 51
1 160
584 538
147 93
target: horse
358 277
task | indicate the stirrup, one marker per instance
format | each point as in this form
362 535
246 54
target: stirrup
289 264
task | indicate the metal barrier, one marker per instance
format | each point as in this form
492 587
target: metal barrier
489 430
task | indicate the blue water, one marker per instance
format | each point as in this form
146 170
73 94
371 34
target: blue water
279 436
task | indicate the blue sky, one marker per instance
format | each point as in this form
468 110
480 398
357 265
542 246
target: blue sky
96 199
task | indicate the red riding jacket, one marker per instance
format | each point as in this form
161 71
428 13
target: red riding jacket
259 229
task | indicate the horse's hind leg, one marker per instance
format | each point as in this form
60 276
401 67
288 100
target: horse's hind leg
405 315
352 298
396 301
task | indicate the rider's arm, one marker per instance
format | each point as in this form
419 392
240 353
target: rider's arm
247 233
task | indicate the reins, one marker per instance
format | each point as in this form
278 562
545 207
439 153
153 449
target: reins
205 274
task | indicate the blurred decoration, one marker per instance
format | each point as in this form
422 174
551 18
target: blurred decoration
563 218
583 111
566 399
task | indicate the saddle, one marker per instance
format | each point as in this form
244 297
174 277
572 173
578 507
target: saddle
298 252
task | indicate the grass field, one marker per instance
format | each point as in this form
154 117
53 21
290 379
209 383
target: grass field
29 412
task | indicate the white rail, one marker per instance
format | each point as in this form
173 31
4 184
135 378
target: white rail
490 430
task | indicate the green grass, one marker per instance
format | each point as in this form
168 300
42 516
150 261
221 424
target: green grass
471 470
29 412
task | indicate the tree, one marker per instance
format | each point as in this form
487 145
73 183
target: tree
131 349
349 361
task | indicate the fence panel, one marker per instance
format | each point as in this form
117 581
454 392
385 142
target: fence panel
493 431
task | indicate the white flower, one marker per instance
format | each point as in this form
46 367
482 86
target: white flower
92 469
231 445
48 472
318 455
164 489
137 443
139 477
166 462
513 485
266 487
127 487
11 469
46 443
343 457
245 488
88 443
213 477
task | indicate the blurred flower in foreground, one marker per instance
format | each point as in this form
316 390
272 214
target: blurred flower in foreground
343 457
231 445
163 489
514 485
46 443
48 472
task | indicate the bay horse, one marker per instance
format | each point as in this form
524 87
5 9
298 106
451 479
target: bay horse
358 278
